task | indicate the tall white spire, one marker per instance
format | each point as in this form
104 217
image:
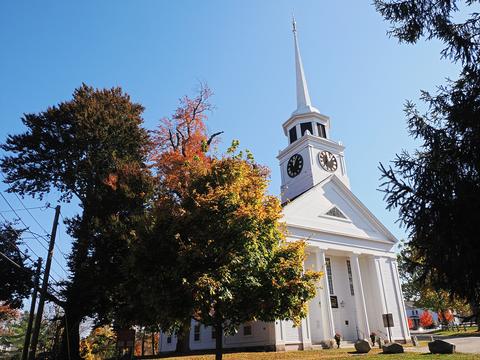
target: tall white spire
304 104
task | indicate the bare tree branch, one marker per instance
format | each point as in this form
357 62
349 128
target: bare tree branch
210 139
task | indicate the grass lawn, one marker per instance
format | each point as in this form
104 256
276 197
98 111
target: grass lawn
471 331
339 354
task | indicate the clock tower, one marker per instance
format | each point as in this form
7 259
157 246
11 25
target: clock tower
311 155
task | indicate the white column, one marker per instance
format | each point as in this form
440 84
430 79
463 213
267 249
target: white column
401 304
279 327
306 337
380 268
326 304
379 296
381 286
360 306
305 326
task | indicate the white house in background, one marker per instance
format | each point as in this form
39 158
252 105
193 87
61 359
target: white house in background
414 313
345 240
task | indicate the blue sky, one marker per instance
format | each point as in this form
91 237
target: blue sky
158 51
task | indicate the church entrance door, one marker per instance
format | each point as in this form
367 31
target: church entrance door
344 321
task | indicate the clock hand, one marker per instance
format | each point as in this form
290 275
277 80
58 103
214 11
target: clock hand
331 160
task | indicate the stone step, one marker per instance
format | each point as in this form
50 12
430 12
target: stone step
343 344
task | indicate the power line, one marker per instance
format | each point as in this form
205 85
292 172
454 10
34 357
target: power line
23 209
35 235
29 213
20 235
15 247
21 220
12 261
56 246
43 236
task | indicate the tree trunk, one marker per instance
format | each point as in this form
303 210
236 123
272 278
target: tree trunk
56 339
183 340
153 342
476 311
218 341
70 347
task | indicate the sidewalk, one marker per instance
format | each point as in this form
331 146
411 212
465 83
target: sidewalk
470 345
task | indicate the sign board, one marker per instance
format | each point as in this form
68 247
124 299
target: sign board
388 320
125 338
334 301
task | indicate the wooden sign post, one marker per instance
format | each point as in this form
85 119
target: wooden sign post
388 323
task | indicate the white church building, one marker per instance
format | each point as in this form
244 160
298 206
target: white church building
345 241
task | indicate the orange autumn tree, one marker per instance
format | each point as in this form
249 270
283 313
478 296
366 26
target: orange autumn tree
99 344
219 249
179 150
446 316
426 319
181 143
410 323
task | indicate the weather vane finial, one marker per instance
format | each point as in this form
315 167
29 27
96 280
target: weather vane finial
294 24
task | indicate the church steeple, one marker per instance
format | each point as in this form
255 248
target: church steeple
311 156
304 104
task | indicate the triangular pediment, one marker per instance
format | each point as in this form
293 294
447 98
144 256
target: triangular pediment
330 207
335 212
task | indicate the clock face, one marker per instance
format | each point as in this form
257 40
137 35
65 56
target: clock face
328 161
295 165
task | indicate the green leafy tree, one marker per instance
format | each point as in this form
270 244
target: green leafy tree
437 187
420 290
99 344
15 282
410 284
15 330
94 148
215 250
236 262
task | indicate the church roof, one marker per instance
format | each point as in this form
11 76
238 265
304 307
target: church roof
313 210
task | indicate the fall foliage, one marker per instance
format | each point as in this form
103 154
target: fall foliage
218 249
190 235
99 344
180 144
426 319
446 316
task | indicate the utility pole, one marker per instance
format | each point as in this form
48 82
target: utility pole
26 343
43 291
